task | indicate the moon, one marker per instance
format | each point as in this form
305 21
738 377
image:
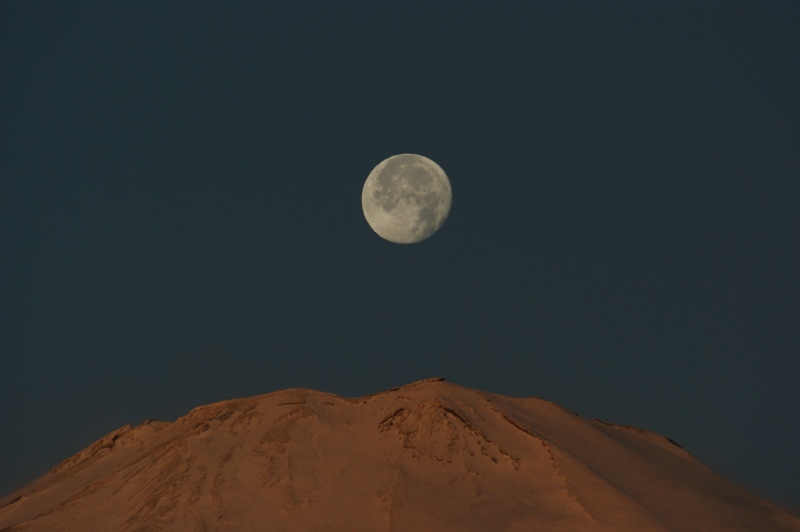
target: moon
406 198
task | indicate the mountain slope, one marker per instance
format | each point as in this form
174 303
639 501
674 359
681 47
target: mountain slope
427 456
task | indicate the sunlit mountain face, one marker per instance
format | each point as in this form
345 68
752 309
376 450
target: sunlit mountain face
427 456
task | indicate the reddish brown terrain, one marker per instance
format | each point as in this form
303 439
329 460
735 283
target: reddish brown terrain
427 456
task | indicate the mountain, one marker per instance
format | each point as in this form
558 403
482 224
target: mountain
423 457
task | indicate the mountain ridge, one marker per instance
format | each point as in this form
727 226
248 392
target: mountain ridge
430 455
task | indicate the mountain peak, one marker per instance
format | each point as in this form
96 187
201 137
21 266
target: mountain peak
430 455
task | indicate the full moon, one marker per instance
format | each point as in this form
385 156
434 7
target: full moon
406 198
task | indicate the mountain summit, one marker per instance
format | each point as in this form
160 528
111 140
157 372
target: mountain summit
423 457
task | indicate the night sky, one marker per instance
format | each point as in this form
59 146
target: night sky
180 191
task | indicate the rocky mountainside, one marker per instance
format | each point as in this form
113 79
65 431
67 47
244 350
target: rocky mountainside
427 456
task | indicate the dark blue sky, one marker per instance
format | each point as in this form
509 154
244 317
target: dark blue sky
181 219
